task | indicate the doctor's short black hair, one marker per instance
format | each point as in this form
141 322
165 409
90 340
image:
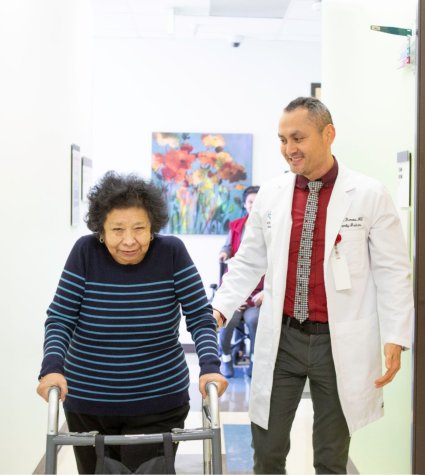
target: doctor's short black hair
248 191
318 112
115 191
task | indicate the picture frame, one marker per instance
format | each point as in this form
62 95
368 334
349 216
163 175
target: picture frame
316 90
86 177
75 184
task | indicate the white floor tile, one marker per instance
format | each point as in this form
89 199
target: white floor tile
300 458
66 462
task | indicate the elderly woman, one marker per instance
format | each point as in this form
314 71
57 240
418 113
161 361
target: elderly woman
111 340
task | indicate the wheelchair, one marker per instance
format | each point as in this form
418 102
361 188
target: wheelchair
240 342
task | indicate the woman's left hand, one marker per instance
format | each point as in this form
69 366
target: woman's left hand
217 378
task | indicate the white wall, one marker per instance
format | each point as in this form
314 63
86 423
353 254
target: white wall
45 106
143 86
373 106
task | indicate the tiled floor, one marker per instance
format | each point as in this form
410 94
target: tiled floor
237 454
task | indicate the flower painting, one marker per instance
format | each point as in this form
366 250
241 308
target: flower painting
203 177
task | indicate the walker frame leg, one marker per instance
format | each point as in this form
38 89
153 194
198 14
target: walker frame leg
51 455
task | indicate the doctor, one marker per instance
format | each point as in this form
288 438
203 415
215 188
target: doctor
358 296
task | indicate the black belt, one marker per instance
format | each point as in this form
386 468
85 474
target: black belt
309 327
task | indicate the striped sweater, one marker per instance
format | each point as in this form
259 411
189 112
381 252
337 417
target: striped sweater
113 329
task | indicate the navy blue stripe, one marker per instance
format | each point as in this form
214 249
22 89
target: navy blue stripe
127 308
115 301
74 275
185 270
167 289
100 284
72 283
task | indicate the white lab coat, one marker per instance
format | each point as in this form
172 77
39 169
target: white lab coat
378 308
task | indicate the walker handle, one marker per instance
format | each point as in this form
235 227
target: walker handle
53 412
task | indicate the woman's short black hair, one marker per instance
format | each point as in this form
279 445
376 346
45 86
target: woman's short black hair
115 191
248 191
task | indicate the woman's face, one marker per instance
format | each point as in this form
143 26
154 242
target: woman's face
127 234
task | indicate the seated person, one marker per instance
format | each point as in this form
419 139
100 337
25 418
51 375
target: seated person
251 308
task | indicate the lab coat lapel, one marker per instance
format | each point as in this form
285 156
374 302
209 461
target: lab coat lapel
281 219
337 210
280 236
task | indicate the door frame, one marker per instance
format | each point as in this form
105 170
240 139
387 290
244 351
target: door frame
418 428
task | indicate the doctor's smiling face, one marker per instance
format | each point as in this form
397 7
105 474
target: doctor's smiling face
306 141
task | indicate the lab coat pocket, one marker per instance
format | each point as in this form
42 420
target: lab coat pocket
357 354
353 247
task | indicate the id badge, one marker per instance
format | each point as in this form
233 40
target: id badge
340 270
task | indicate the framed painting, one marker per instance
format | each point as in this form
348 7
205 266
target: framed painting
203 177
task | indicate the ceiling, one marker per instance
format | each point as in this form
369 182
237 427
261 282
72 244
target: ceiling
221 20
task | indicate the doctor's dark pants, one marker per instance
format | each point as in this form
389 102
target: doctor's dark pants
302 356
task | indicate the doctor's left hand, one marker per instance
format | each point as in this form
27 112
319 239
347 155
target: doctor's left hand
392 354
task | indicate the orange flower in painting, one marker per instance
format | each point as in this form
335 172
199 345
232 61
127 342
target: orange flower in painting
168 174
177 176
232 171
186 147
207 158
176 164
239 186
157 161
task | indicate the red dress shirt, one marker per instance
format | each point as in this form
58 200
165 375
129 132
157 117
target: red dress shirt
317 305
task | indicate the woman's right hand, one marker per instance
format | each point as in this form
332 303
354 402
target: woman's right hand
217 378
49 380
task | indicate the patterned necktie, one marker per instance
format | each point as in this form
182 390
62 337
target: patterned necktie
304 253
